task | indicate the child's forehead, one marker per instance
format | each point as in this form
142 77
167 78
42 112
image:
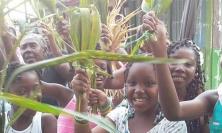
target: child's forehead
26 77
143 66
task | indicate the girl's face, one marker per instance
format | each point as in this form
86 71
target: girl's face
141 87
183 74
27 85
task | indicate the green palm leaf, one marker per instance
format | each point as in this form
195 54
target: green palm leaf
91 54
37 106
159 6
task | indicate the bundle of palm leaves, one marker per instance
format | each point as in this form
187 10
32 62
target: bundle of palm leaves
118 26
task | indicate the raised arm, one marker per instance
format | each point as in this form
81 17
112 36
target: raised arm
117 81
172 108
81 86
9 44
58 92
64 70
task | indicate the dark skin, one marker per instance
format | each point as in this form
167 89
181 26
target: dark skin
32 52
172 108
142 93
27 85
58 92
183 74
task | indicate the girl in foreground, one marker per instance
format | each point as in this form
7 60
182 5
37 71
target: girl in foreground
208 102
141 115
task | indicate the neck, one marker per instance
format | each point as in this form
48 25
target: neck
22 122
181 93
147 115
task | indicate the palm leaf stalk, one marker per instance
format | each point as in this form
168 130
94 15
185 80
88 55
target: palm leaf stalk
92 54
37 106
117 24
85 33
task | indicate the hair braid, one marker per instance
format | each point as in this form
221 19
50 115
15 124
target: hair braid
196 86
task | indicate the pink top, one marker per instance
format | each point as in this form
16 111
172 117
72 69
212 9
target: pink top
65 123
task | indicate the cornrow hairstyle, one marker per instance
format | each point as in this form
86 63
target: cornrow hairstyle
196 86
12 67
158 114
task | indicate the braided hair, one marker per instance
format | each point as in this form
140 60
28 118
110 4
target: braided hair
196 86
158 114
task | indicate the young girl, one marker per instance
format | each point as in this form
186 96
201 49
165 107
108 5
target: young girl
142 112
188 78
207 102
27 84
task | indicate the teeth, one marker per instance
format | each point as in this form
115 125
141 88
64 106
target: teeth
139 99
178 78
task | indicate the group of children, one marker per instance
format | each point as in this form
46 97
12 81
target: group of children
160 98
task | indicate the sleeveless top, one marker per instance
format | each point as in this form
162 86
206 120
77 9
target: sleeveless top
34 127
216 120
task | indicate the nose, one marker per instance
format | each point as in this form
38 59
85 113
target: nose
26 49
139 89
179 67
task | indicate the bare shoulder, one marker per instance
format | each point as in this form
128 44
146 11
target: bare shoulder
49 123
210 97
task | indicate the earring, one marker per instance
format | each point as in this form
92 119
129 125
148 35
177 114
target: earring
125 93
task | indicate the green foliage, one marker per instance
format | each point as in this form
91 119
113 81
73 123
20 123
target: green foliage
102 6
159 6
34 105
91 54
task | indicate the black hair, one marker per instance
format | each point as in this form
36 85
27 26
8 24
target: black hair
11 69
196 86
158 114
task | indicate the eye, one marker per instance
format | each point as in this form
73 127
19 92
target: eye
188 64
149 83
131 83
33 45
23 47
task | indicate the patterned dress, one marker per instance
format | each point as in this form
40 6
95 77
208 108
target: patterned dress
122 114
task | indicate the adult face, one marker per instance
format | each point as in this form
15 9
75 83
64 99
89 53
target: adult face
183 74
32 49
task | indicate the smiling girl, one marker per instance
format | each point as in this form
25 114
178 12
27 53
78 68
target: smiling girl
142 113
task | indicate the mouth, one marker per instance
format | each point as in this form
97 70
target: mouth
99 82
177 78
29 58
140 100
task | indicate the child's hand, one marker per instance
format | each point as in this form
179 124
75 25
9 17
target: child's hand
152 24
97 97
80 83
